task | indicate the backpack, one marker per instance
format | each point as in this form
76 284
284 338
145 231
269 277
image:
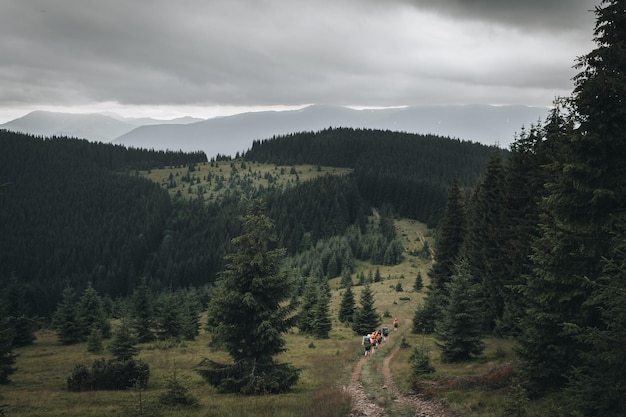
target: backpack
366 341
385 331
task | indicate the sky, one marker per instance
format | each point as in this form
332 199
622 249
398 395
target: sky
207 58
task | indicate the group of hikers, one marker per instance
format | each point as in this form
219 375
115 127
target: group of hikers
373 340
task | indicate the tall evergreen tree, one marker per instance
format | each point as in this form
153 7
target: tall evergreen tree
567 324
142 312
447 249
7 355
92 314
348 304
459 327
66 320
483 249
366 318
249 315
16 306
322 322
123 344
310 297
587 207
524 188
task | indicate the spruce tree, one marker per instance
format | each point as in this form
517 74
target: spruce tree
66 321
419 282
459 327
92 314
484 251
322 323
306 314
16 306
249 313
142 312
170 318
447 249
577 286
123 345
348 304
525 176
7 356
587 207
366 318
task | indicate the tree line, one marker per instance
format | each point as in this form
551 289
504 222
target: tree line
536 253
411 172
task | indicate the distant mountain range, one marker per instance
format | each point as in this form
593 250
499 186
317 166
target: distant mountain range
92 126
490 125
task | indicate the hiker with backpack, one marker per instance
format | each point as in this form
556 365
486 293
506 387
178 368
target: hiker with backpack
367 344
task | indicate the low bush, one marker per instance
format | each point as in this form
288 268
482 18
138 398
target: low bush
109 374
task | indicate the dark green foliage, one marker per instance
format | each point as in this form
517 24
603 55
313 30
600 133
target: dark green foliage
91 313
123 345
306 314
576 294
15 307
420 366
366 319
346 278
525 175
66 321
7 356
449 242
109 375
595 385
348 304
75 318
322 323
177 392
249 315
316 210
484 252
459 327
81 214
94 340
419 282
266 377
427 314
447 250
142 312
389 167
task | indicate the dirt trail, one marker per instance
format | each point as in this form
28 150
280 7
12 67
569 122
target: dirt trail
363 405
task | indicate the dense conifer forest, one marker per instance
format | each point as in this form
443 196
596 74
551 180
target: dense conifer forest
80 212
411 172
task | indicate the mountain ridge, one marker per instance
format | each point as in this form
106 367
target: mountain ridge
228 135
97 127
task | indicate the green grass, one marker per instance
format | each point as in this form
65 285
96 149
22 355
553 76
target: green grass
214 179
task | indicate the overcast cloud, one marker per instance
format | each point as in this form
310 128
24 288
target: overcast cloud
203 57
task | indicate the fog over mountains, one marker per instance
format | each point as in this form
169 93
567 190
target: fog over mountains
490 125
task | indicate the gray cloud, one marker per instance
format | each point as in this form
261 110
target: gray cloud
548 15
272 52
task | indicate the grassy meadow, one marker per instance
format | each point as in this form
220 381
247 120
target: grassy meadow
214 179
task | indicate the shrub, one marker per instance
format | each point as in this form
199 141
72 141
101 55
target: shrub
249 378
420 366
109 375
177 393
